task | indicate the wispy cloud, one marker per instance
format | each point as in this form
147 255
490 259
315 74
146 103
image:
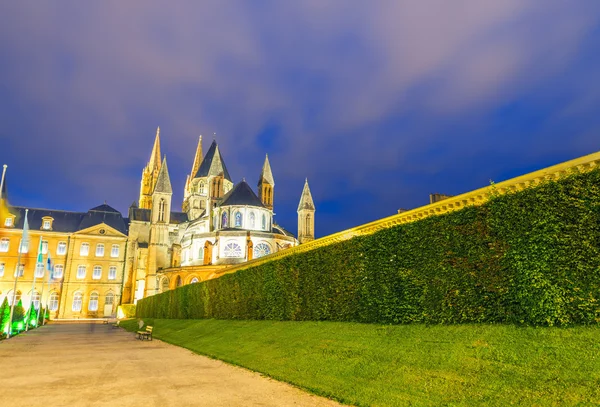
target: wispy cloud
354 90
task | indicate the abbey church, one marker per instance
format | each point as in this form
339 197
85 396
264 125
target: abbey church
221 223
101 259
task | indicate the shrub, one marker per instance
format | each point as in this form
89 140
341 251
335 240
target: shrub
528 257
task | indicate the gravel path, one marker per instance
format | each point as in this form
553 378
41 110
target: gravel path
82 364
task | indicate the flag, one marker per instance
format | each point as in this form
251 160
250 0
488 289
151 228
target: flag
40 257
25 237
49 266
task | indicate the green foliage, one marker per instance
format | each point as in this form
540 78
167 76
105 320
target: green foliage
529 257
4 316
32 316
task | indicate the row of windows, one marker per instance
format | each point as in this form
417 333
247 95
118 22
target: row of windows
61 248
46 223
53 300
58 271
238 219
97 272
231 249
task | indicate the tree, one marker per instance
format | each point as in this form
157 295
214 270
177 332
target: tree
18 317
4 316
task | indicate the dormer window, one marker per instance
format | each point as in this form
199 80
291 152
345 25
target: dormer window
47 223
9 222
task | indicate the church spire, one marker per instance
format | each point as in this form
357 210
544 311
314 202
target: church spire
266 173
306 216
306 200
266 185
155 156
163 182
197 159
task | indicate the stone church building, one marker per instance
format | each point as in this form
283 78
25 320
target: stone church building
221 223
102 259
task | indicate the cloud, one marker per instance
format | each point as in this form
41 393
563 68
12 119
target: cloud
355 89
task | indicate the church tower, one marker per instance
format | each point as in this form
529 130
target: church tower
160 217
207 184
266 185
306 216
193 193
150 174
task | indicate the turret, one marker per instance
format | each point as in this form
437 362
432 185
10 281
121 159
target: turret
266 184
150 174
306 216
209 182
161 196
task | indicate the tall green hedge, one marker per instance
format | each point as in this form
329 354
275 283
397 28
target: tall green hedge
528 257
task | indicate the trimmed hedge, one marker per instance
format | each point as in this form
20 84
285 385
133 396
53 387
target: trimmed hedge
529 257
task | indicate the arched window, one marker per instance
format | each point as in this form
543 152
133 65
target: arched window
238 219
93 304
201 187
35 300
77 301
179 282
232 249
165 284
11 299
261 249
161 210
252 220
109 299
224 220
194 280
264 222
53 301
307 231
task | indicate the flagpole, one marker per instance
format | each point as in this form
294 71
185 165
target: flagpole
42 298
37 262
2 182
14 295
50 270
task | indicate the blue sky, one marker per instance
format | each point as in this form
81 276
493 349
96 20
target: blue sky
378 103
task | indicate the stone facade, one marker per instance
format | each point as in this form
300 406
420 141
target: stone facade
102 259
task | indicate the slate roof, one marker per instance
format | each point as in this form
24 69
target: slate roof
144 215
241 194
282 231
179 217
204 170
266 173
67 221
306 201
163 182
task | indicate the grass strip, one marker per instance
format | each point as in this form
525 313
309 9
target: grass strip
406 365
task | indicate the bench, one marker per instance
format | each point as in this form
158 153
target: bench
147 334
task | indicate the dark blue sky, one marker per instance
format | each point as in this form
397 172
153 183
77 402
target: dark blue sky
378 103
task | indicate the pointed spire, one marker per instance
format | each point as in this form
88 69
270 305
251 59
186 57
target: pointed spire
266 174
163 182
197 158
155 156
306 201
213 164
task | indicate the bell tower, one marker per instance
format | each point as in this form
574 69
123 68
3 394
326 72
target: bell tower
266 183
306 216
150 174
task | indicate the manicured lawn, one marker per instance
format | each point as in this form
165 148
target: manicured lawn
406 365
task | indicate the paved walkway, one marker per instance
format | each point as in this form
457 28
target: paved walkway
96 365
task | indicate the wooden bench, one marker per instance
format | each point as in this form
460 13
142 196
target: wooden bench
147 334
